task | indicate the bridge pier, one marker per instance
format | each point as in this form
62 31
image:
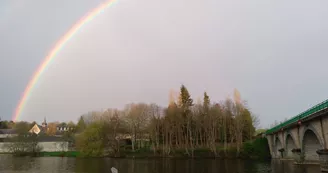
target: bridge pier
323 157
297 155
323 153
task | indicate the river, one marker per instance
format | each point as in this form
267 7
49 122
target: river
9 164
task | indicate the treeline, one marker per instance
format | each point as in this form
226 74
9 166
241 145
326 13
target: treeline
182 126
22 127
6 124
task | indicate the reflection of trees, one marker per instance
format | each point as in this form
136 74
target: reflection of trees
91 165
240 166
99 165
96 165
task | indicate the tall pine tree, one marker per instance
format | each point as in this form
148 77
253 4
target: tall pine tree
185 101
80 125
206 103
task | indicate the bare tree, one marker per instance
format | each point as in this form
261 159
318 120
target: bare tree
137 118
155 126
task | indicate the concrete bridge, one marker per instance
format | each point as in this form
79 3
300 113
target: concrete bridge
302 136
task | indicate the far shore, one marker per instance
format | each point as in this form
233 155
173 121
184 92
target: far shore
139 155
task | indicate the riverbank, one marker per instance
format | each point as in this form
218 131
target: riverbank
256 149
60 154
230 153
150 154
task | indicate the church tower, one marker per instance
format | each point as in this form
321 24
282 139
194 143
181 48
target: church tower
44 124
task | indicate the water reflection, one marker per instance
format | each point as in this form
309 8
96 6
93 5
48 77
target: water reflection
69 165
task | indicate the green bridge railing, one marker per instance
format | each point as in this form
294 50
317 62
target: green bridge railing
321 106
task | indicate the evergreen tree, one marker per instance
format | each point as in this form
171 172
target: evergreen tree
206 103
80 125
185 101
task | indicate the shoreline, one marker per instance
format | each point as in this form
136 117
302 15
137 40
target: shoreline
76 154
253 150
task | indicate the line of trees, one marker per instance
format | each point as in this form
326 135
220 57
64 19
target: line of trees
183 125
24 126
6 124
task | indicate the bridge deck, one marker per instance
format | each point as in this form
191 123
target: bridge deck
317 108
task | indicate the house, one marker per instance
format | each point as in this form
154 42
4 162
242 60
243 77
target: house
60 129
37 129
64 128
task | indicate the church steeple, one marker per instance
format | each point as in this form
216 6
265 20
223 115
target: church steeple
44 124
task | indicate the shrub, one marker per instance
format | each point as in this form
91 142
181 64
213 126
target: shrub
24 145
91 143
258 148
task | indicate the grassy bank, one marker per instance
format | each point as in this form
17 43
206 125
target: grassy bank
60 154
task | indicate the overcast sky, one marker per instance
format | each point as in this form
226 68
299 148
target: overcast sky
273 52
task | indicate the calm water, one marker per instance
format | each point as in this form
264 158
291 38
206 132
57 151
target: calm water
9 164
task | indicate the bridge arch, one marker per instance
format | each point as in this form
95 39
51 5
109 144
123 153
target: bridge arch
290 144
311 142
278 145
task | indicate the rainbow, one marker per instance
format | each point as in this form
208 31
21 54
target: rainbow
54 51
